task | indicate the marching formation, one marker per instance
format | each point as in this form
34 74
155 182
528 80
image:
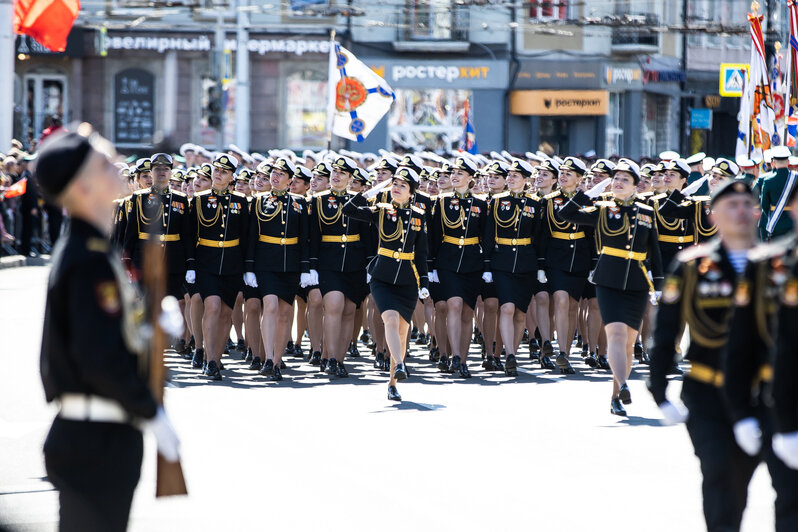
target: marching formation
502 249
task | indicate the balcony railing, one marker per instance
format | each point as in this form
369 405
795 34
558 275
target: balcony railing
637 36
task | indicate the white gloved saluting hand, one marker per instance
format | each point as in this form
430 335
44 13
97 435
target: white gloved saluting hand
596 191
165 436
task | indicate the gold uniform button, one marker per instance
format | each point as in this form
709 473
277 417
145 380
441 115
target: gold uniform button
221 236
282 241
628 246
221 243
282 233
571 236
681 239
462 241
396 255
343 238
514 241
572 246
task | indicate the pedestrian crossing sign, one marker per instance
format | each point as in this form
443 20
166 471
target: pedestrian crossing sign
732 78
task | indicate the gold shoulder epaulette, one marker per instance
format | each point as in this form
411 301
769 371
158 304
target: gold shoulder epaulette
532 196
645 194
552 194
142 191
644 206
322 193
772 249
501 195
700 198
179 193
589 208
483 197
203 193
419 210
422 193
446 195
604 203
240 194
384 206
694 252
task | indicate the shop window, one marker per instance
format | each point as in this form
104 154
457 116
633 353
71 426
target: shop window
435 20
134 107
45 95
554 132
614 144
549 10
428 118
305 119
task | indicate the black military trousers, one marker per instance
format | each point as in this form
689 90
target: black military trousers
725 468
783 478
95 467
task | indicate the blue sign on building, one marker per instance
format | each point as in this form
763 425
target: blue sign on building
700 118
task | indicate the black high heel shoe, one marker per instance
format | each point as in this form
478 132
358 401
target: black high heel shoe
624 394
400 373
616 407
393 394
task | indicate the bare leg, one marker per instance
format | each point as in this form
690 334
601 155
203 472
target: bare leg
593 324
238 316
347 322
507 327
619 353
252 325
301 320
268 326
315 319
197 310
454 324
562 314
396 333
441 335
490 313
282 329
542 302
333 322
466 321
210 327
222 330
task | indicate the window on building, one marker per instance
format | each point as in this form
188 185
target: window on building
614 144
432 20
428 118
549 10
305 110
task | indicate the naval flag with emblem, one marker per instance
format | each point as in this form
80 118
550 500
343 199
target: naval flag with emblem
469 141
357 97
763 114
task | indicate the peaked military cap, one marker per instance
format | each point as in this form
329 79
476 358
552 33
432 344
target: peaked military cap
226 162
574 164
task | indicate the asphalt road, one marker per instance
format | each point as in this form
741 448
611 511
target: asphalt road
538 452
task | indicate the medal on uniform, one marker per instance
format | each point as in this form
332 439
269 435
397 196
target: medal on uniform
212 202
742 296
670 293
790 293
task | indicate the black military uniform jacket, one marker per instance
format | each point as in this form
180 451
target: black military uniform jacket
278 234
164 218
698 291
337 243
91 341
220 222
401 257
566 246
121 211
459 222
674 234
512 242
752 333
626 236
695 208
785 371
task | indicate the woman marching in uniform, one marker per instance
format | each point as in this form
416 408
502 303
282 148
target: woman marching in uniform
457 228
399 270
510 242
626 234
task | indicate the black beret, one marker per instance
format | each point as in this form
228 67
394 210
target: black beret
732 186
60 159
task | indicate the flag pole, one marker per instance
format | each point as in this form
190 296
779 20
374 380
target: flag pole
331 90
7 40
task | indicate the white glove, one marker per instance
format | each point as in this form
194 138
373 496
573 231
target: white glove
542 277
368 277
314 278
748 435
487 277
596 191
304 280
654 297
171 319
191 276
250 280
165 436
373 191
433 276
785 446
689 190
423 293
673 414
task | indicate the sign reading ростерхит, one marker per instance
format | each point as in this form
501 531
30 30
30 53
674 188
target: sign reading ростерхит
455 74
559 103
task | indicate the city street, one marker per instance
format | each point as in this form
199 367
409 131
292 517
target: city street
540 452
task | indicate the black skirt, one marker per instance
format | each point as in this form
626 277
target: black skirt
251 293
624 306
281 284
488 290
464 285
515 288
436 292
399 297
589 292
351 284
226 287
573 283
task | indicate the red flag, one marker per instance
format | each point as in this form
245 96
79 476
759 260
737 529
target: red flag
17 189
47 21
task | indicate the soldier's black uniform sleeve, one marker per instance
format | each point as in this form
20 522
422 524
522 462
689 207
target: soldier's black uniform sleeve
539 236
193 223
741 349
672 207
573 210
315 233
252 237
357 208
654 254
244 233
420 259
304 235
435 234
186 236
87 319
489 234
666 332
132 229
785 370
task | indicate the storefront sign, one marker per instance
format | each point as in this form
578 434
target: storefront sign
578 75
559 103
26 45
204 43
664 76
700 118
455 74
134 99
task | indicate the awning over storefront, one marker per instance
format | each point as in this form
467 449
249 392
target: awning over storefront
559 103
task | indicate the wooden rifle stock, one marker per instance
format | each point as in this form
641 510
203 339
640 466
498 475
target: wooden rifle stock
169 476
